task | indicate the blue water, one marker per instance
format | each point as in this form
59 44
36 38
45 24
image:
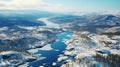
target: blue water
52 55
63 35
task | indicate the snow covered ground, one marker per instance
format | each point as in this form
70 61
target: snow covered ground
48 23
82 49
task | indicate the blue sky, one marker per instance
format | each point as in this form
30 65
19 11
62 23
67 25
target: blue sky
61 5
89 4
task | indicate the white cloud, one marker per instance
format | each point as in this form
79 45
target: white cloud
31 4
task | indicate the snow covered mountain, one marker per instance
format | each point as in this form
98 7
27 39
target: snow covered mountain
29 38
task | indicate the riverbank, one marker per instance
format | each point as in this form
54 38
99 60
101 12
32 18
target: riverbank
85 47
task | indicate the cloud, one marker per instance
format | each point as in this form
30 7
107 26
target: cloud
31 4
